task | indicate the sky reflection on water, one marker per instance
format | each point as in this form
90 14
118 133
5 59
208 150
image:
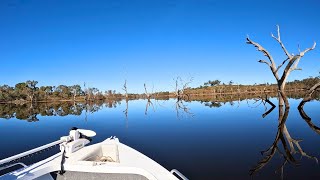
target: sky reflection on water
204 143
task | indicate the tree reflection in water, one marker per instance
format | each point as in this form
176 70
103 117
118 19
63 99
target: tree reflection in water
149 103
283 144
31 111
182 109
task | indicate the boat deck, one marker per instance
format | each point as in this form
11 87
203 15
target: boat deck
71 175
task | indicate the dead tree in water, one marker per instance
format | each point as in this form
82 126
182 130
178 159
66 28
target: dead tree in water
308 120
291 62
180 88
182 110
148 96
308 96
125 89
126 112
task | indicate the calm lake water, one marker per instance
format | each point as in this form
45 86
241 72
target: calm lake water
202 140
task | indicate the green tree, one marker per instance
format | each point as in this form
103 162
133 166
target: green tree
31 89
212 83
6 93
21 90
75 90
45 91
64 91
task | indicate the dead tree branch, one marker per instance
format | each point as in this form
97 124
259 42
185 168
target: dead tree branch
291 63
284 139
280 42
182 110
125 89
267 54
308 96
308 120
180 87
148 95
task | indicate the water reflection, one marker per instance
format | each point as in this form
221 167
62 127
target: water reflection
213 104
149 103
308 120
224 133
284 145
30 111
182 110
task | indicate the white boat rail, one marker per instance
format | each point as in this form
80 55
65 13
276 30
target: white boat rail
175 171
11 165
12 158
74 135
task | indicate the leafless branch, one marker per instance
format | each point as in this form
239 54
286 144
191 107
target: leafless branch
149 103
182 109
261 49
181 87
265 53
297 69
126 112
294 61
308 120
280 42
271 151
262 61
270 110
292 64
296 142
282 64
125 89
308 95
308 49
148 96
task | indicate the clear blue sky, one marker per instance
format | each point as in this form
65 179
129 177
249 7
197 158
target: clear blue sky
104 42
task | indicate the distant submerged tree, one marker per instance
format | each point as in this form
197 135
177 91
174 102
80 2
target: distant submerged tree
147 94
291 63
125 89
180 87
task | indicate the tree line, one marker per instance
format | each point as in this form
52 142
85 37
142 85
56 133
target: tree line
29 91
214 87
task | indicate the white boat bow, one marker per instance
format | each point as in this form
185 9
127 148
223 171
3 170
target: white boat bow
109 159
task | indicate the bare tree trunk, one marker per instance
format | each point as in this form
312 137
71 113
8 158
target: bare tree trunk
292 63
125 89
146 92
180 89
126 110
74 95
